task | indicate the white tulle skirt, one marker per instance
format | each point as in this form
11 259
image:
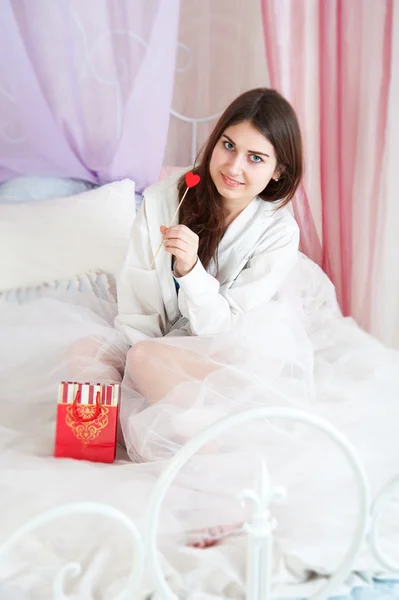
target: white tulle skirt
295 351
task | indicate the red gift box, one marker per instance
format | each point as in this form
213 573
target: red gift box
87 418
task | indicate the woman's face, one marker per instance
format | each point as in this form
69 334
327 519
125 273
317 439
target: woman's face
242 164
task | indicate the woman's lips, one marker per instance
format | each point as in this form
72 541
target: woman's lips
230 182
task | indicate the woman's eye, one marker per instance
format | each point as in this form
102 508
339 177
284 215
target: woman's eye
228 145
255 158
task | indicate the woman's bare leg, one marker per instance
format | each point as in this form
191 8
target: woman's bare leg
157 368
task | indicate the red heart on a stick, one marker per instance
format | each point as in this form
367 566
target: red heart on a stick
192 179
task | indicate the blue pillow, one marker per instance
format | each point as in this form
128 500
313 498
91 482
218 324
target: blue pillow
139 200
26 188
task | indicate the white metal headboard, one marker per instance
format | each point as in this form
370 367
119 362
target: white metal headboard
194 124
195 121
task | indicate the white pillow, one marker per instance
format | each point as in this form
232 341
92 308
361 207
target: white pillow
59 239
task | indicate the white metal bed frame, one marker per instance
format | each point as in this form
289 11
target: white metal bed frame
261 525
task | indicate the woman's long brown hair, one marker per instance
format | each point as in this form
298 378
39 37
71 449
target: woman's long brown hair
267 111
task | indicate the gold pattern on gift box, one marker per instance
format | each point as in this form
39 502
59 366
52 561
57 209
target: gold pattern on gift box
87 431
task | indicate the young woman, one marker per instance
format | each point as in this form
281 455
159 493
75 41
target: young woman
228 251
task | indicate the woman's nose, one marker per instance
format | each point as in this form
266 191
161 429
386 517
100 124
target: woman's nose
236 164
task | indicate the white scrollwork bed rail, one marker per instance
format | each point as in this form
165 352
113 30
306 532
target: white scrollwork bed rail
74 569
377 509
259 527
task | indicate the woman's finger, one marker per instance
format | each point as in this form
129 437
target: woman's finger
179 254
181 231
176 244
181 243
178 235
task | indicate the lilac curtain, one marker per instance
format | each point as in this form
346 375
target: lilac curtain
86 87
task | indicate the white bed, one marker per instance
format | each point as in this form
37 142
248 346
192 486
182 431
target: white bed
105 517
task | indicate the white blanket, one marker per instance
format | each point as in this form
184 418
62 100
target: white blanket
297 351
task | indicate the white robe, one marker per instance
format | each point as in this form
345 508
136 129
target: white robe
255 255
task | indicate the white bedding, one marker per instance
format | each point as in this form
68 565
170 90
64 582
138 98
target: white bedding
355 386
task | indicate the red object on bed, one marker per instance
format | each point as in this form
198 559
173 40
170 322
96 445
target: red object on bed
87 418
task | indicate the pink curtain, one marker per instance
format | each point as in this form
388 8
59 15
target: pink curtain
86 87
331 59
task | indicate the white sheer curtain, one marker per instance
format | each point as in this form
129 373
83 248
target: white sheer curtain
221 55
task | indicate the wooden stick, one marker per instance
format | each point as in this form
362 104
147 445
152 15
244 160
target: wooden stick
171 221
